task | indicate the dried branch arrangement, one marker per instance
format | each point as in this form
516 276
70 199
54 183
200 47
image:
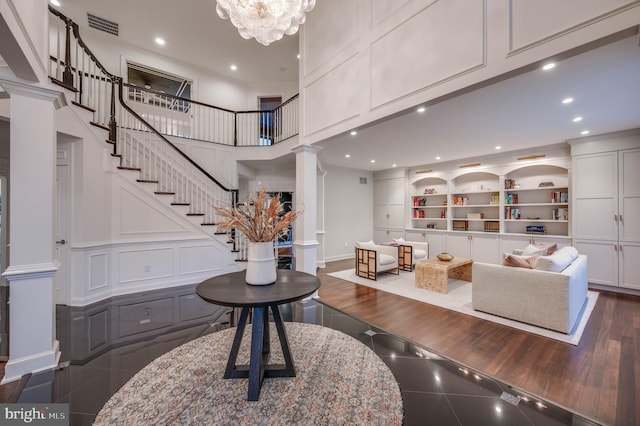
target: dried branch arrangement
261 220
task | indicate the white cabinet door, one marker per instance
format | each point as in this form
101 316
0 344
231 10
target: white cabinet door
420 236
457 244
484 248
595 195
385 235
629 255
436 242
602 261
630 195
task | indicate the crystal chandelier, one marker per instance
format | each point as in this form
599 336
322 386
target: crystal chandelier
266 20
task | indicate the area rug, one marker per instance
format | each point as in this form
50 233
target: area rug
339 381
459 299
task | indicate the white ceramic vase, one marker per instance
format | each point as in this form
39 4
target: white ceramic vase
261 264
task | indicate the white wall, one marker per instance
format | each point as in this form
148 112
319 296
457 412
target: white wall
364 60
348 211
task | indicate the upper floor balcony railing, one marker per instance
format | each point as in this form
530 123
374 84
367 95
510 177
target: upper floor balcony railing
73 65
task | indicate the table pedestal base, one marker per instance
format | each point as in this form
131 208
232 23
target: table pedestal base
259 367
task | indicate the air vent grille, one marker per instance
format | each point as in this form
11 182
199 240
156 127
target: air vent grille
102 24
363 180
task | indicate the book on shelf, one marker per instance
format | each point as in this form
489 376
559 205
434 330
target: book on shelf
460 225
509 183
511 213
536 229
559 197
511 199
560 214
492 226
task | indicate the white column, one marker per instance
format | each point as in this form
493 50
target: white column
32 339
320 231
305 243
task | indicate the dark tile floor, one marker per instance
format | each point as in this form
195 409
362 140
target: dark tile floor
434 390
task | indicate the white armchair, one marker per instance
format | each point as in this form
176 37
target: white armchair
419 251
372 259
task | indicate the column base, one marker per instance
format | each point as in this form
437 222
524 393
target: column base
16 368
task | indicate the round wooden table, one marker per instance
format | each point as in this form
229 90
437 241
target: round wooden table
232 290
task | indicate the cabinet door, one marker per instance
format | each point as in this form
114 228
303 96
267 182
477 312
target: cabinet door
509 243
595 189
629 195
436 242
602 261
395 216
457 244
484 248
384 235
629 255
419 236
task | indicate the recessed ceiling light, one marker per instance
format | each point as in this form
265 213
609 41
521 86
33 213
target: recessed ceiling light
498 147
577 119
373 161
353 133
55 3
422 109
584 132
298 56
347 156
160 41
394 165
233 67
567 100
549 66
437 158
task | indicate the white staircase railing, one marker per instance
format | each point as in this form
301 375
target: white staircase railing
140 146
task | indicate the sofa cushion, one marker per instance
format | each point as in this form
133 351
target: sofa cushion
558 261
519 261
369 245
398 240
419 254
385 259
532 250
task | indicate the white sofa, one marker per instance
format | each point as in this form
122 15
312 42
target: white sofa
371 259
552 300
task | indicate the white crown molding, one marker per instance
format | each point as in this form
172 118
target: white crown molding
32 91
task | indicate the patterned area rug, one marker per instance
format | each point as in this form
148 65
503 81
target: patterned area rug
339 381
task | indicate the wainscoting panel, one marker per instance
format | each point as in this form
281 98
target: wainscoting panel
98 271
381 9
532 23
450 37
137 217
145 264
333 97
198 259
324 41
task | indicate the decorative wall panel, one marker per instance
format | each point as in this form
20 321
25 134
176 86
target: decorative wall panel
333 97
441 42
138 217
140 265
532 22
381 9
97 271
198 259
323 41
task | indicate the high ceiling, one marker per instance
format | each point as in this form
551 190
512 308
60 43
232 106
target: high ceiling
521 112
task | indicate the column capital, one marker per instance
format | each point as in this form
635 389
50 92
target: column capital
24 272
306 148
33 91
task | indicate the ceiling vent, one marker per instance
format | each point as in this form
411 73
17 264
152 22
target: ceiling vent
102 24
363 180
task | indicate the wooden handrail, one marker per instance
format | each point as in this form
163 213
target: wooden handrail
178 150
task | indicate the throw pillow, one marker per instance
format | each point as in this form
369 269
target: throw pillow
519 261
532 250
551 249
398 240
558 261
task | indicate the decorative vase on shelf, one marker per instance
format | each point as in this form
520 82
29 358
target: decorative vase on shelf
261 264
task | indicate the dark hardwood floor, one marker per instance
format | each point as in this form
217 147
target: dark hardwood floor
599 378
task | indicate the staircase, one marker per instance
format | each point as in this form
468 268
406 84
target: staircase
139 138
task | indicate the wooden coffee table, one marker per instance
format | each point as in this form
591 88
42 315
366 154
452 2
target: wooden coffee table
433 274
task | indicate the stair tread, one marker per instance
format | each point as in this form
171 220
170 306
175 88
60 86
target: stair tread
146 181
78 104
207 224
129 168
100 125
110 141
164 193
180 204
195 214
